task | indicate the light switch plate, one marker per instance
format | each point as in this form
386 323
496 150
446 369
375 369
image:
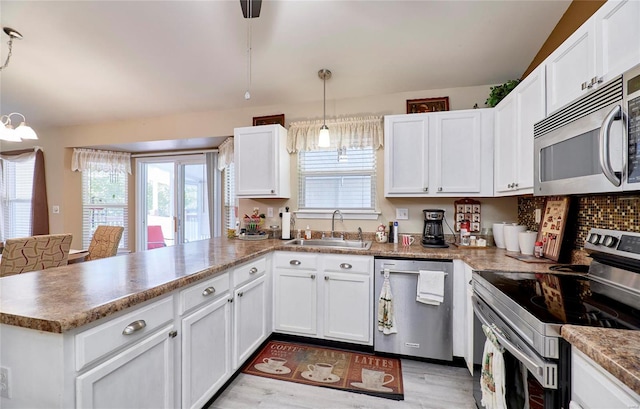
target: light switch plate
269 211
402 214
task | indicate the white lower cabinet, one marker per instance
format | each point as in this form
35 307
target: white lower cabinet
206 352
463 312
141 376
592 387
324 296
249 319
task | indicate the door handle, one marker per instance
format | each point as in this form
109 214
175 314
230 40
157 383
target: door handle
604 140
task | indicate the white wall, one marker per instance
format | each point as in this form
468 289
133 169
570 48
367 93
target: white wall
64 186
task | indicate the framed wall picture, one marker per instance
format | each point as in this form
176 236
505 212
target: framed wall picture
268 120
416 106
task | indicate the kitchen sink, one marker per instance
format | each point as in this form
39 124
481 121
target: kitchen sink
331 243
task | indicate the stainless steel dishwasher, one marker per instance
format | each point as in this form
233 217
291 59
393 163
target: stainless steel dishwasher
423 330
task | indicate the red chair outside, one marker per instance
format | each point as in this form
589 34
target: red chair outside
155 237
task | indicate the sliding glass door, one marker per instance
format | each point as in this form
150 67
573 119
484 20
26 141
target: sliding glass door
174 207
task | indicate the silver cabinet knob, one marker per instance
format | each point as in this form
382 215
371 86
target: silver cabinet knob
345 266
240 294
426 189
134 327
295 262
326 278
313 276
273 191
439 189
515 185
208 291
253 270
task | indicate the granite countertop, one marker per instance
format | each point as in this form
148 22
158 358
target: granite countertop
616 350
61 299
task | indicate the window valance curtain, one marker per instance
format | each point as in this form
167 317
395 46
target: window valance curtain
39 205
359 132
97 160
225 154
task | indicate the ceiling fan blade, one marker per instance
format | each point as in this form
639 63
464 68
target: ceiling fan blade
255 8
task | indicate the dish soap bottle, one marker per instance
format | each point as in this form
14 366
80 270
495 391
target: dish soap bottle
307 233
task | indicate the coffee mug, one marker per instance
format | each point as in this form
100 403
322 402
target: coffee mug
406 239
320 371
375 379
274 362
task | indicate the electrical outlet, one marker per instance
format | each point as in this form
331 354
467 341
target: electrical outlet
537 215
402 214
269 211
5 377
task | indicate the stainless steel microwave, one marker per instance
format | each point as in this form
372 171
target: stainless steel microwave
591 145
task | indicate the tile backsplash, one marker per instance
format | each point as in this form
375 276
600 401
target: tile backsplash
618 212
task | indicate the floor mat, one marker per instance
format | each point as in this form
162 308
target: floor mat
331 368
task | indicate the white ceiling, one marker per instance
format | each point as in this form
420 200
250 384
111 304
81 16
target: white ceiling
93 61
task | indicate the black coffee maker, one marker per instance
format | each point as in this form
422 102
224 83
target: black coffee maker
433 234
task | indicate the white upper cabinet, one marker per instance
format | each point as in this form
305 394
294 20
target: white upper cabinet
603 47
439 154
515 116
571 67
261 162
617 37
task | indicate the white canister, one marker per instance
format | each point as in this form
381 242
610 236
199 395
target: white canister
498 234
527 241
511 236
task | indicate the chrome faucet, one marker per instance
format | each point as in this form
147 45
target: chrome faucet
333 221
360 233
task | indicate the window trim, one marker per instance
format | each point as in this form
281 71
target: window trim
346 214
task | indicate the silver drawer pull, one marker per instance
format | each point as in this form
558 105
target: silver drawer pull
253 270
133 327
208 291
295 262
346 266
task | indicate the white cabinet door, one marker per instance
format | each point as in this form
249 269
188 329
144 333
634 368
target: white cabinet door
206 352
571 65
506 144
463 313
469 317
406 152
249 319
141 376
295 301
457 151
261 162
347 307
530 108
617 37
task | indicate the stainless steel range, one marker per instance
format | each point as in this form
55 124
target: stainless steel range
526 312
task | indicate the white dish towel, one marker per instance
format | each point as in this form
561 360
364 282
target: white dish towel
430 287
492 378
386 318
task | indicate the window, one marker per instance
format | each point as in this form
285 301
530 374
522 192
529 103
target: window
334 180
104 202
229 197
16 186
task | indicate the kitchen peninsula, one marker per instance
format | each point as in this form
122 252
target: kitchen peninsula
55 324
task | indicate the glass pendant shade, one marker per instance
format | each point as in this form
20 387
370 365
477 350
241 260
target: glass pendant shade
23 131
7 133
324 140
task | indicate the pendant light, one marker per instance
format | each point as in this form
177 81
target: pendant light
12 34
20 133
324 139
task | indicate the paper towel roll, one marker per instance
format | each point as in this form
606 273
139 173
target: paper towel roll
511 236
527 241
286 225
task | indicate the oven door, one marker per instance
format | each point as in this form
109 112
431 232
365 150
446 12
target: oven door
572 158
529 377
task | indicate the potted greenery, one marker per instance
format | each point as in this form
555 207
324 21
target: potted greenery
500 91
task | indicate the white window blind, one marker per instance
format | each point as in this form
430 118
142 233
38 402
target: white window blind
229 197
17 190
104 202
327 183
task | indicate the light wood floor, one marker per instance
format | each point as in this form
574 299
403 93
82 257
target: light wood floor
426 386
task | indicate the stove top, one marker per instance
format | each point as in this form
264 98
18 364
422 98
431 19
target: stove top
558 298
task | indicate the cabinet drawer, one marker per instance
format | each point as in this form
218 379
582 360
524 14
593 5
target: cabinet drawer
203 292
345 263
103 339
299 261
249 271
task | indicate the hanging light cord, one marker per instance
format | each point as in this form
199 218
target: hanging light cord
324 99
10 42
247 94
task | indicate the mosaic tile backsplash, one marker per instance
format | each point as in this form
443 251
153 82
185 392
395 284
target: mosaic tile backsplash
618 212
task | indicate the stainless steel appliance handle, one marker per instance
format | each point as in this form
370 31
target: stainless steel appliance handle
406 272
537 370
604 139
